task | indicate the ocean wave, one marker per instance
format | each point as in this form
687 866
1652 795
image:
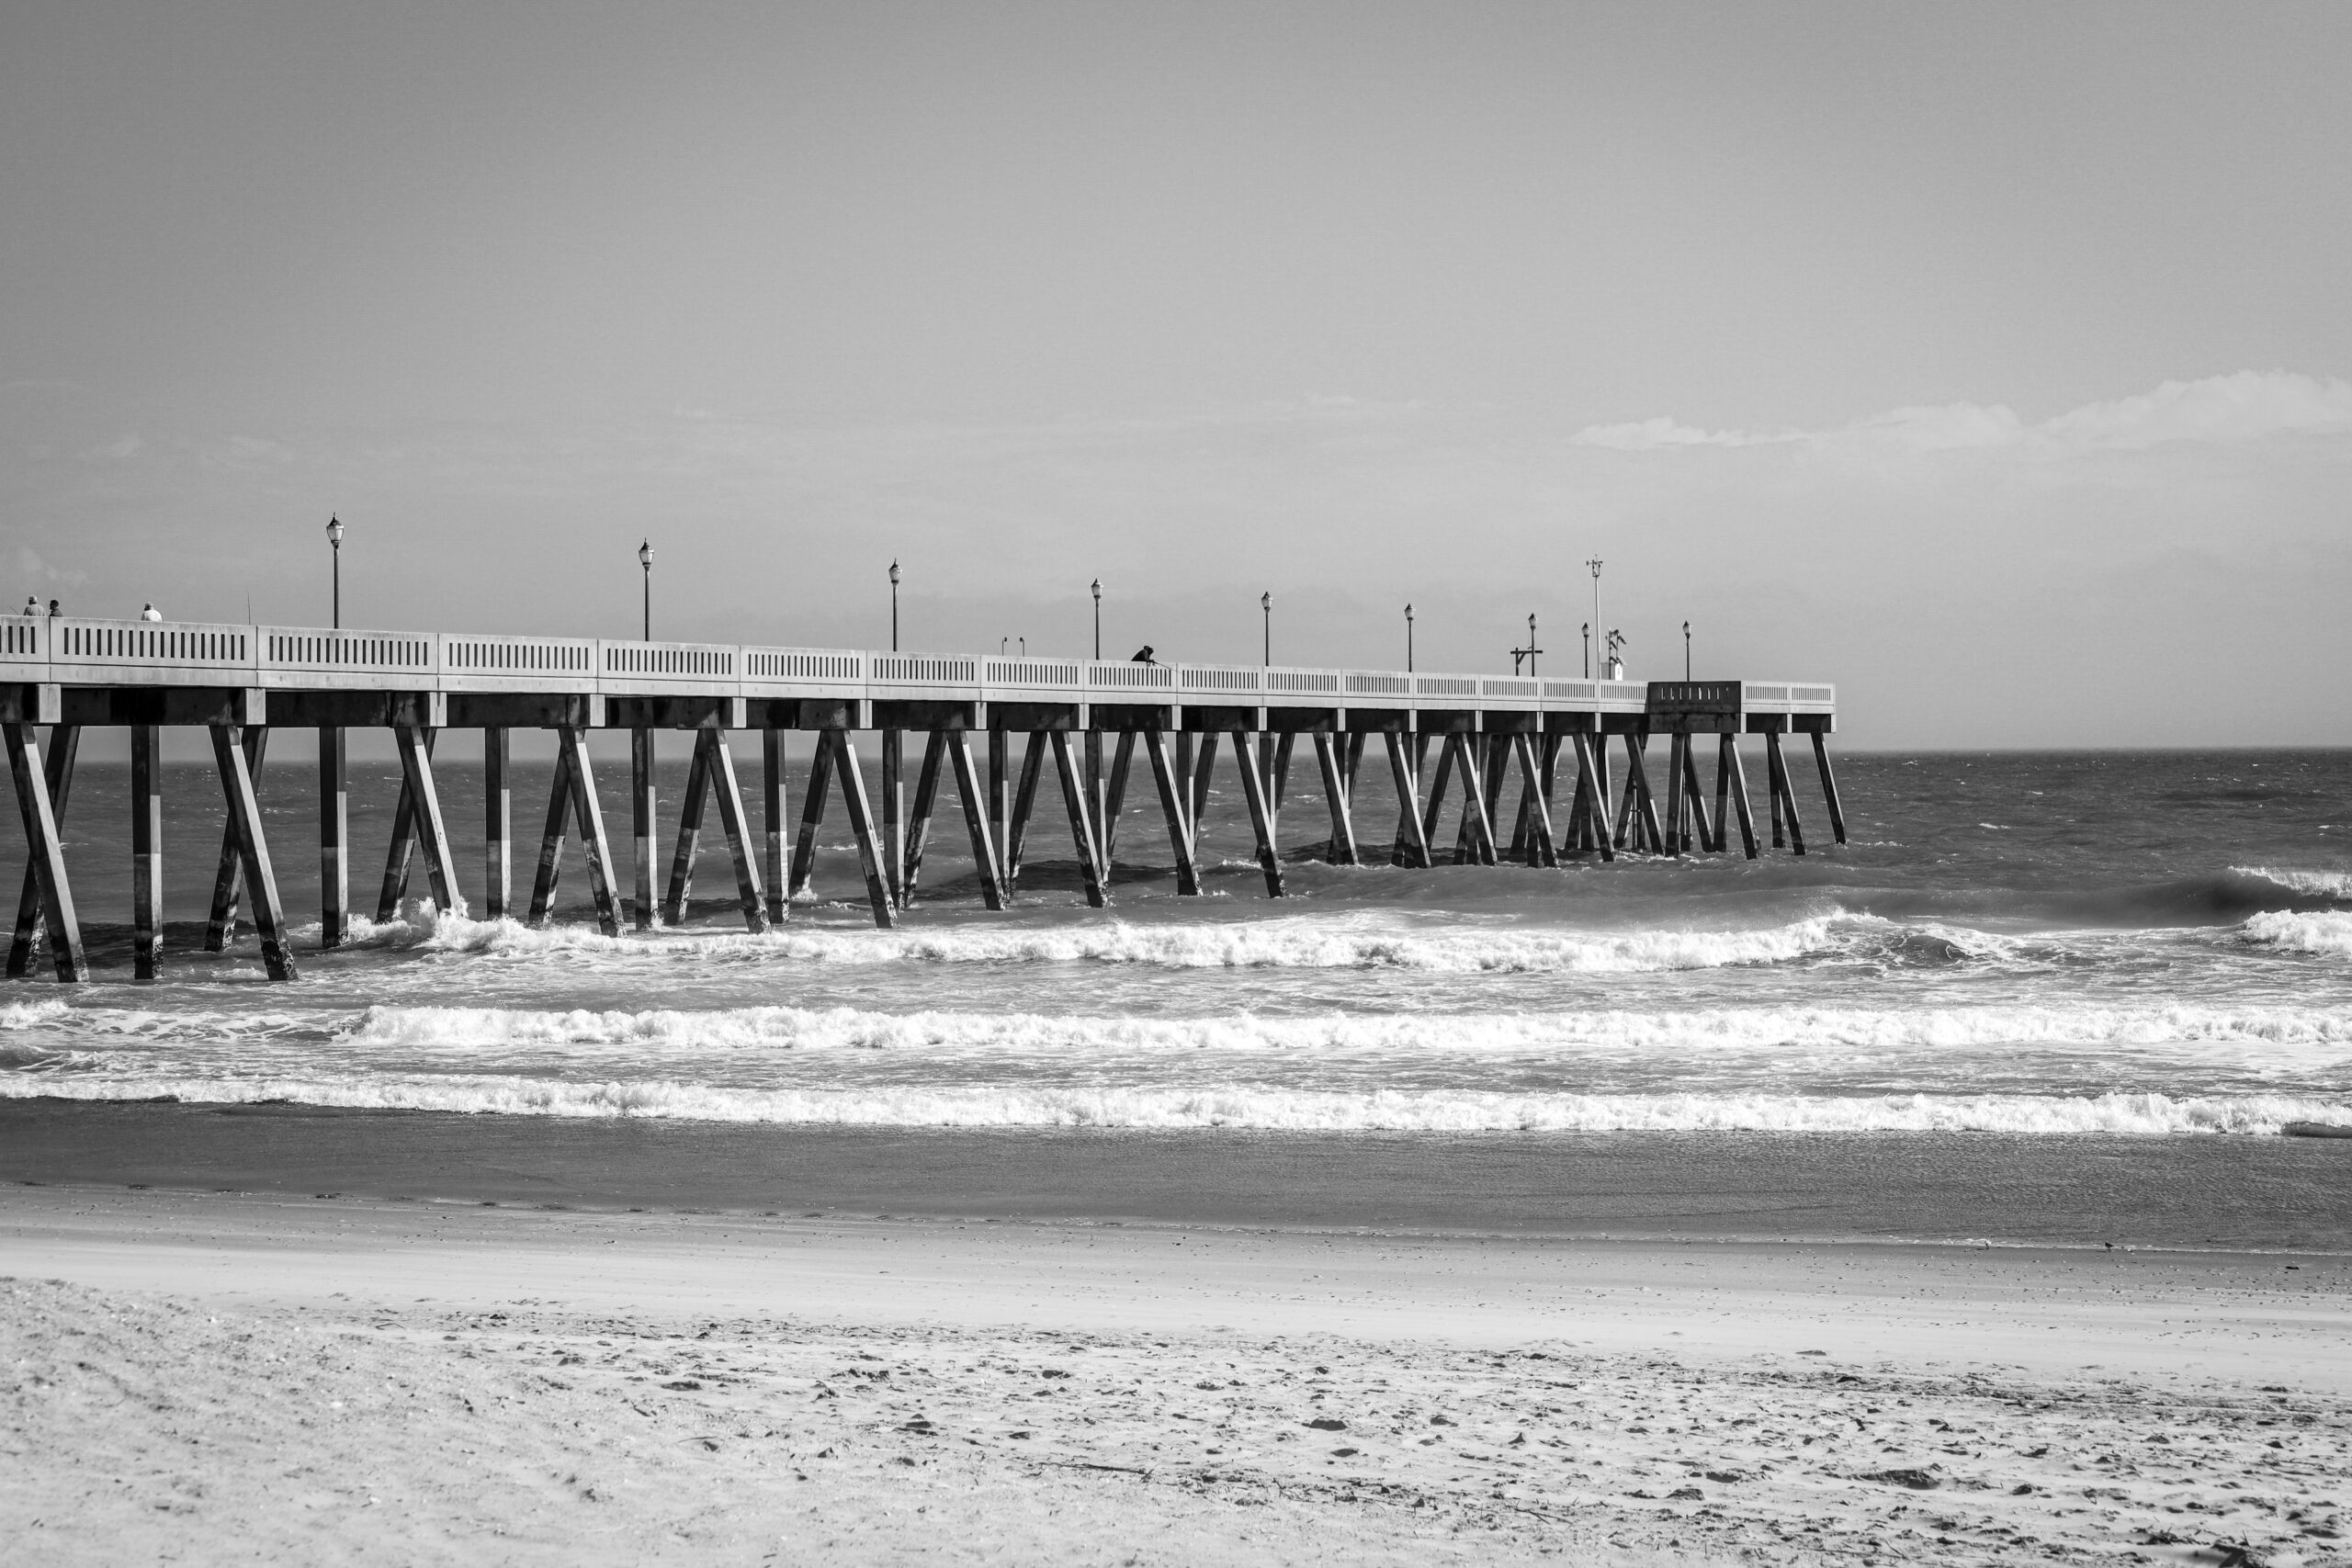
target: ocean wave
786 1028
2328 931
32 1014
1320 941
1238 1106
2333 885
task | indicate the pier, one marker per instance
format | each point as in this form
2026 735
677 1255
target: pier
1451 740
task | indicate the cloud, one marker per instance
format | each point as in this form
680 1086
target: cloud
2248 406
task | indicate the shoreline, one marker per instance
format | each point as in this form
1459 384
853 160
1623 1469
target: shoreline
2070 1190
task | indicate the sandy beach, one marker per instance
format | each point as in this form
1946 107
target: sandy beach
200 1377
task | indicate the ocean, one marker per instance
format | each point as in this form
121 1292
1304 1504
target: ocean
2042 952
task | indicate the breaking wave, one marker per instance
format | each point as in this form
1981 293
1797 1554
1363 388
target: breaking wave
2327 932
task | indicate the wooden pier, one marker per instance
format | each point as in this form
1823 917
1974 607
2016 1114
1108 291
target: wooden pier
1550 737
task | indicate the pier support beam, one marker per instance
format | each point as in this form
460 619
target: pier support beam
1115 797
573 798
32 917
1829 787
812 813
404 843
1784 799
1412 846
935 751
1000 802
335 838
1330 762
713 777
894 816
861 822
1025 801
772 807
228 878
1262 817
1075 792
146 850
497 828
640 824
975 817
1708 834
1533 804
1175 805
1592 792
253 850
45 855
413 743
1737 776
681 884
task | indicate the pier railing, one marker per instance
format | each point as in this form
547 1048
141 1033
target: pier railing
76 650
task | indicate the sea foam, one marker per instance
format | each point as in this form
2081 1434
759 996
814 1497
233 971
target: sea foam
2328 931
1237 1106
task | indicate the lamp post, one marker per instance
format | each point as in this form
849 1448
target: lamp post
1266 609
1686 652
1595 564
1531 649
334 538
645 559
1587 651
894 605
1097 586
1409 639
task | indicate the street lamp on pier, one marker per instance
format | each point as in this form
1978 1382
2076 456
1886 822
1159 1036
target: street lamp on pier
1409 639
1097 586
1587 651
1266 609
1686 653
335 539
645 559
894 604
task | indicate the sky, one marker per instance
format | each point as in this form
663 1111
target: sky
1991 361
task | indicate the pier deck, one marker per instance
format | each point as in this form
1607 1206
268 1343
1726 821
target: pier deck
244 682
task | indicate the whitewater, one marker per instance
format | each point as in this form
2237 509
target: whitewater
2062 944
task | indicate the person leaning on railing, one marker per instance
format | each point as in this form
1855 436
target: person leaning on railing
1143 656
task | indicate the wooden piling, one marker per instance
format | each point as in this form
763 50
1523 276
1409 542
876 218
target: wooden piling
253 850
228 877
57 774
1204 765
589 813
1707 833
1433 805
1784 798
678 892
1115 797
1000 797
771 808
935 751
1412 846
432 833
861 822
1175 808
812 814
1737 776
1474 798
894 814
146 850
1539 850
551 867
1025 801
1335 791
335 837
1075 790
402 845
720 783
1829 787
642 813
497 826
1592 800
1261 819
45 853
976 819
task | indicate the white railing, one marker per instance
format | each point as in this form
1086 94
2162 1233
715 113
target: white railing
84 651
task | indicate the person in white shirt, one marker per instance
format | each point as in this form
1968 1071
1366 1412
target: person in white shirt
32 603
150 614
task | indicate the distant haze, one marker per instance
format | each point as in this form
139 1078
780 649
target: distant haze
1990 361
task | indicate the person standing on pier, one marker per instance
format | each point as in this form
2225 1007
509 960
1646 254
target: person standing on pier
1143 656
150 614
32 603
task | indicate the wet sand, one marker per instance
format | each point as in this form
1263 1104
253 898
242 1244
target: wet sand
331 1379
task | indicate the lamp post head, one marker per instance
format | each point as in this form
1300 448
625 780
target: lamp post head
645 554
1408 612
1595 564
1097 586
1266 600
335 532
894 574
